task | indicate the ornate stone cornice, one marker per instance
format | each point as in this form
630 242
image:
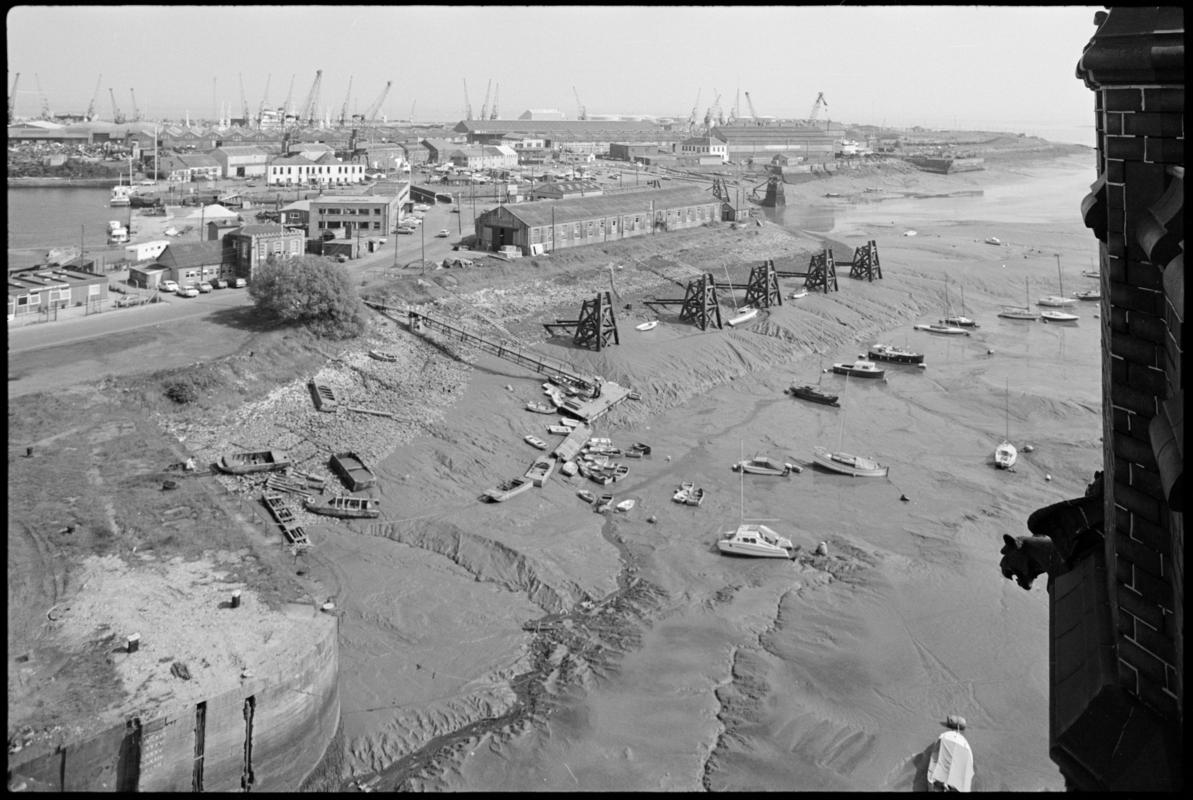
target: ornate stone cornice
1135 45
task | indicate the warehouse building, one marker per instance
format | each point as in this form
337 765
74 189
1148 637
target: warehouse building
353 215
764 141
545 226
573 136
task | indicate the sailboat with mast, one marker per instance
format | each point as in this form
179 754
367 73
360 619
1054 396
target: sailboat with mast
751 538
847 463
1006 454
956 320
1057 300
814 393
740 315
1024 311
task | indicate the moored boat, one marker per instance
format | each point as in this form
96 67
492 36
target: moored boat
1056 301
507 489
758 541
940 328
744 314
347 507
353 470
959 321
1058 316
1018 312
648 325
541 408
381 355
1088 294
849 464
1005 455
895 355
540 471
809 392
535 442
859 369
762 465
252 461
586 496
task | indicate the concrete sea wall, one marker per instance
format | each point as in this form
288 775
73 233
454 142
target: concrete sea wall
268 734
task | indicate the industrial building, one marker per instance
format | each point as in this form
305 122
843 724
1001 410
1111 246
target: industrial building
754 142
550 225
322 170
241 161
355 215
576 136
253 245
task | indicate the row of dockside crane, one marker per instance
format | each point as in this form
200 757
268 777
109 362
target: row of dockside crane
288 114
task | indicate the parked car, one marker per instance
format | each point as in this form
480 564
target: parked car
168 286
403 229
187 291
443 233
205 287
238 283
219 283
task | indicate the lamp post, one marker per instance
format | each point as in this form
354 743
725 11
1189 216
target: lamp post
422 235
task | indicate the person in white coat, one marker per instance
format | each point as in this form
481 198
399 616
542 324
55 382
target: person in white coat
950 768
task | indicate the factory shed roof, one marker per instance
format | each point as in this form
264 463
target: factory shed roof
580 208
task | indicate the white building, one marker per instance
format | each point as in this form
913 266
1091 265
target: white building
145 250
322 170
703 146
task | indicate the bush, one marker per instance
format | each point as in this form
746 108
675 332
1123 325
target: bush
312 290
182 392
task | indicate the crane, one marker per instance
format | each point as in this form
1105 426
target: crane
344 108
12 96
370 114
45 102
581 111
493 110
692 115
117 117
136 111
714 113
311 105
264 100
90 115
467 102
485 105
244 102
816 106
287 110
413 103
753 113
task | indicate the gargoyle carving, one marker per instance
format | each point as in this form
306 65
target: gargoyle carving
1062 533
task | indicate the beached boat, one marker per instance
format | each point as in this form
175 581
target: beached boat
252 461
323 395
586 496
813 393
744 314
569 468
762 465
758 541
624 505
688 494
797 295
534 441
507 489
604 503
1049 315
646 326
1005 453
955 320
562 430
620 471
942 329
859 369
541 408
994 240
1057 300
848 464
346 507
540 471
381 355
895 355
353 470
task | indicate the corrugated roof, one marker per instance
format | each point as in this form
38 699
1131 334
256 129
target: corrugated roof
263 229
191 254
771 133
582 208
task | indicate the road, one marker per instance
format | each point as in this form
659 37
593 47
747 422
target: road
174 310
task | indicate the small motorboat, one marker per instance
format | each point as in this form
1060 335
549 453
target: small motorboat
758 541
1088 294
541 408
1058 316
809 392
994 240
625 505
647 326
859 369
1056 301
762 465
799 294
744 314
940 328
586 496
562 430
849 464
895 355
959 321
1018 312
534 441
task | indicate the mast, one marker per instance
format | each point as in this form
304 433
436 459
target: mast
1059 280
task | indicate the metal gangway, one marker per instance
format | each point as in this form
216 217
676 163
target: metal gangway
417 321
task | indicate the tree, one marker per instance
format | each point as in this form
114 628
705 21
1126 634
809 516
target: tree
312 290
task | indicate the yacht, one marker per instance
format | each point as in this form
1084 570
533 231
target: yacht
759 541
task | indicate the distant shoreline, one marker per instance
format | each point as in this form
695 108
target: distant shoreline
53 183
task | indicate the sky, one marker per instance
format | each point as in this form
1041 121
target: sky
988 67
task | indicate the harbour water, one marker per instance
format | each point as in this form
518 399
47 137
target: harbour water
43 218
